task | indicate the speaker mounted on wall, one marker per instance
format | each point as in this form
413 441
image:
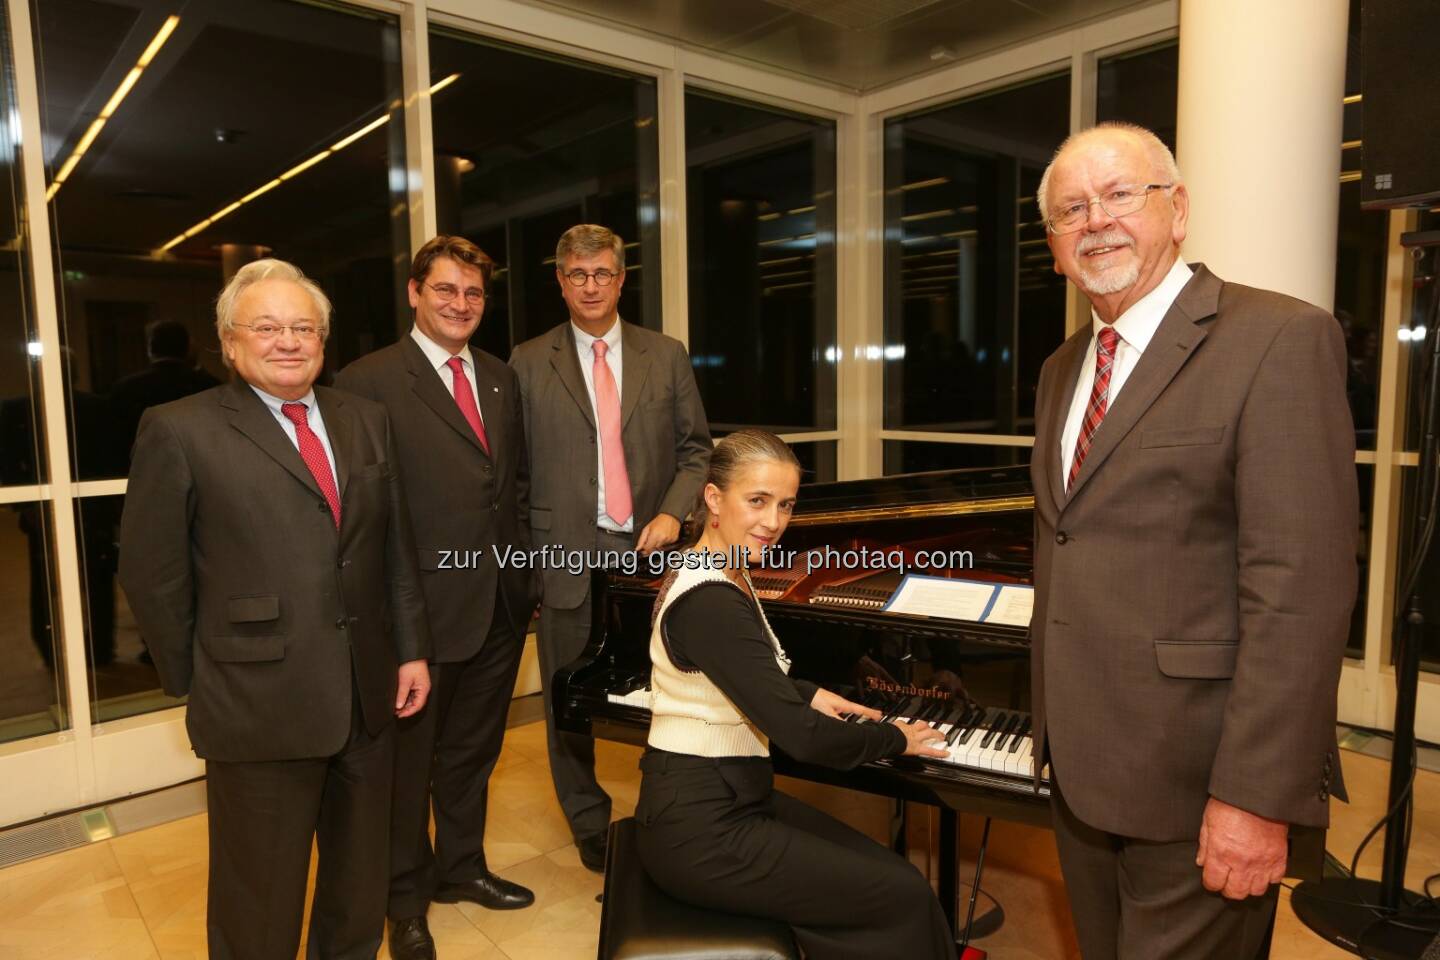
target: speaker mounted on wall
1400 118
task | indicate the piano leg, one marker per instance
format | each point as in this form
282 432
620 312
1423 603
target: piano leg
948 874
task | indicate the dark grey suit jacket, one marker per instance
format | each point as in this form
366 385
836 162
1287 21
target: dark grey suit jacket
665 434
248 598
1194 587
461 499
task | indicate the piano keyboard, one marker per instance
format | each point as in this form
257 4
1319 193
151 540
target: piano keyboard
634 698
979 738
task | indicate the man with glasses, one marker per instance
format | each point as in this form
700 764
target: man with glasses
1196 532
458 428
618 450
266 553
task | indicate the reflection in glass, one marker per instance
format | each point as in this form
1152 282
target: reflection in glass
512 173
1365 481
917 456
817 461
1141 87
761 254
972 306
268 128
123 680
30 682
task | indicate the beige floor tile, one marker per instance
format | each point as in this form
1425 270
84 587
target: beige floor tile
564 898
70 905
455 937
167 867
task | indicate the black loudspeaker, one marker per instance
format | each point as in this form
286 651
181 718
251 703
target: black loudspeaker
1400 118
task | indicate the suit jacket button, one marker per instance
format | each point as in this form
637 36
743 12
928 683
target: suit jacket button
486 469
592 481
324 507
339 623
494 508
1324 795
1061 537
342 563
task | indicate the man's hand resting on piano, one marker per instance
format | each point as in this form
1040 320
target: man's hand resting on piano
1242 853
834 705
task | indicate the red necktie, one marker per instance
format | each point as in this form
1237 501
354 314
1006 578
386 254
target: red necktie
1099 399
465 400
612 451
312 451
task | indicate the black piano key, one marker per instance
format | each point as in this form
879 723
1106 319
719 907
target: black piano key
976 721
993 729
1008 731
893 710
959 724
1020 735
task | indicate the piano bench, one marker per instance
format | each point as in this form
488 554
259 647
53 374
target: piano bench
639 921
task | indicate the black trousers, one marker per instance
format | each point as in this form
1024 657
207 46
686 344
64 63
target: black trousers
443 758
1140 900
263 816
716 834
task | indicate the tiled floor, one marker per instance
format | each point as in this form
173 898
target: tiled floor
142 895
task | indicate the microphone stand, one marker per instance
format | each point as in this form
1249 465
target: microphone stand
1377 918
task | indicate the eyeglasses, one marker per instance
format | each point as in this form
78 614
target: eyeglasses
448 291
269 331
603 278
1119 202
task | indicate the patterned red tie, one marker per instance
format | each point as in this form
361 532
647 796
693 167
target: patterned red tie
1099 399
465 400
312 451
612 451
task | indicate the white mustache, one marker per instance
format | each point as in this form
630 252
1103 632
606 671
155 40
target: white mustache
1111 238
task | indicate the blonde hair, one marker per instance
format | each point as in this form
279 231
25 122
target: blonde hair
586 240
1160 155
253 273
734 453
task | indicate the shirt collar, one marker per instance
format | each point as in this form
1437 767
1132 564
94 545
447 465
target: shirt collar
584 340
275 403
1138 324
438 356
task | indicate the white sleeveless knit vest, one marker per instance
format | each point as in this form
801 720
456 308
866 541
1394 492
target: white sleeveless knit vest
689 713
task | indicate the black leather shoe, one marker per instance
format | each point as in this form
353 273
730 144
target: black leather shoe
410 940
490 891
592 851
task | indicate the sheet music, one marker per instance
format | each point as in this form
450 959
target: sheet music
1013 605
942 597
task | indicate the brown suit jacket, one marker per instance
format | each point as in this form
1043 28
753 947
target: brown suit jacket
461 499
1194 586
247 596
664 432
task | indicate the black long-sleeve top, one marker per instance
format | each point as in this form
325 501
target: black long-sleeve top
716 629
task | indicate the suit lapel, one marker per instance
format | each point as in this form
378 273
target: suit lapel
250 416
341 433
434 394
1174 343
488 395
1067 372
635 368
567 367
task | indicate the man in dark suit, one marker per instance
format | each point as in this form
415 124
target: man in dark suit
266 552
1196 530
618 450
465 479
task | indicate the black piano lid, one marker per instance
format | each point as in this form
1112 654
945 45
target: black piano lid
937 493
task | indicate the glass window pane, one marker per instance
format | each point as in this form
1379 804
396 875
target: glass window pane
1429 582
917 456
512 173
972 305
31 683
1141 87
817 461
761 252
270 128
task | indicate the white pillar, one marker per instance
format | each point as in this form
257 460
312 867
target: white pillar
1259 131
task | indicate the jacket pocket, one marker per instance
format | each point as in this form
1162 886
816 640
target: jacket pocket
1196 660
1186 437
253 609
539 519
244 649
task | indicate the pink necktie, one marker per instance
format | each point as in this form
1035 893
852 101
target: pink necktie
1099 399
465 400
612 451
312 451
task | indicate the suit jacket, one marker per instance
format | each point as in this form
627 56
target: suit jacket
248 598
460 498
664 432
1194 586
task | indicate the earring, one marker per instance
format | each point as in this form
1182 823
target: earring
715 524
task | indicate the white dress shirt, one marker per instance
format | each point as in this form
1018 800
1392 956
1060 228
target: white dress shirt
313 420
1135 326
439 358
585 353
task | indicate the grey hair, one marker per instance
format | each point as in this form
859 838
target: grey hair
1160 155
733 453
586 240
253 273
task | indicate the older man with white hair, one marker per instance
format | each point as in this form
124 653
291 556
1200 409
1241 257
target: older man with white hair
1196 531
267 556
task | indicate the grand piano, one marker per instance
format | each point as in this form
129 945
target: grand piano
971 679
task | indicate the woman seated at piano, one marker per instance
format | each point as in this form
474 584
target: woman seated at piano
711 828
